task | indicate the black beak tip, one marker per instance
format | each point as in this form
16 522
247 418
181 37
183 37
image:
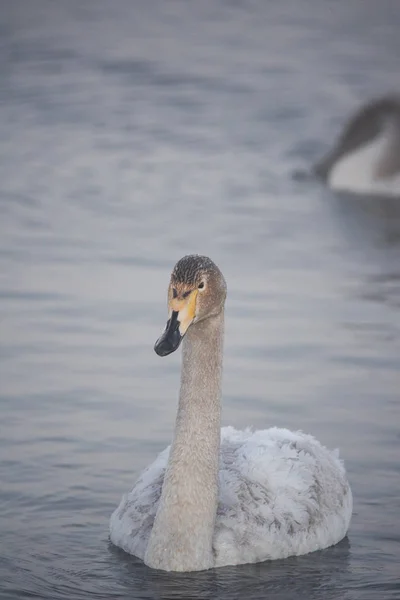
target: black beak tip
162 347
169 341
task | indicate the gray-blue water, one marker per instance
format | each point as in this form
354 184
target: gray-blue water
133 133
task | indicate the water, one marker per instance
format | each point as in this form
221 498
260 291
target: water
135 133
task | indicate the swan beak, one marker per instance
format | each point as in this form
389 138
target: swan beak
182 314
171 338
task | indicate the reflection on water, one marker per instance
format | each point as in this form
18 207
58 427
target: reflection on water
132 136
371 227
279 579
374 216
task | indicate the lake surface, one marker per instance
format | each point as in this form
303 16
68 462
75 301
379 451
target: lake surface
133 133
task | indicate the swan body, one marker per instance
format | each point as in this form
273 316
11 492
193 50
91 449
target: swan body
281 494
217 496
366 157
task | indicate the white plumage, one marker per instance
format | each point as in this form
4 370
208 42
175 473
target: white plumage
281 494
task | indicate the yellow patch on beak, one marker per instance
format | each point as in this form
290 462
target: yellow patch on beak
186 310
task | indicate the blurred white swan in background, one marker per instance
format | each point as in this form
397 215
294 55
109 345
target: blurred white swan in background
366 156
220 496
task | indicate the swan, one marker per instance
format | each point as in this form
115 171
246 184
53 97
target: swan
217 496
366 156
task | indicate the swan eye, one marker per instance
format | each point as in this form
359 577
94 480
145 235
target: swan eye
174 293
186 294
201 285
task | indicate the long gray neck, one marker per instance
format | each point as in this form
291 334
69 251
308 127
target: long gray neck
182 534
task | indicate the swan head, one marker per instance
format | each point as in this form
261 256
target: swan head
197 291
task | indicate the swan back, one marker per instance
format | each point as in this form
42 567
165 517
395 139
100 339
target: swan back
366 157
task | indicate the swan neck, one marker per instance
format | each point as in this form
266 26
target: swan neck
182 534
